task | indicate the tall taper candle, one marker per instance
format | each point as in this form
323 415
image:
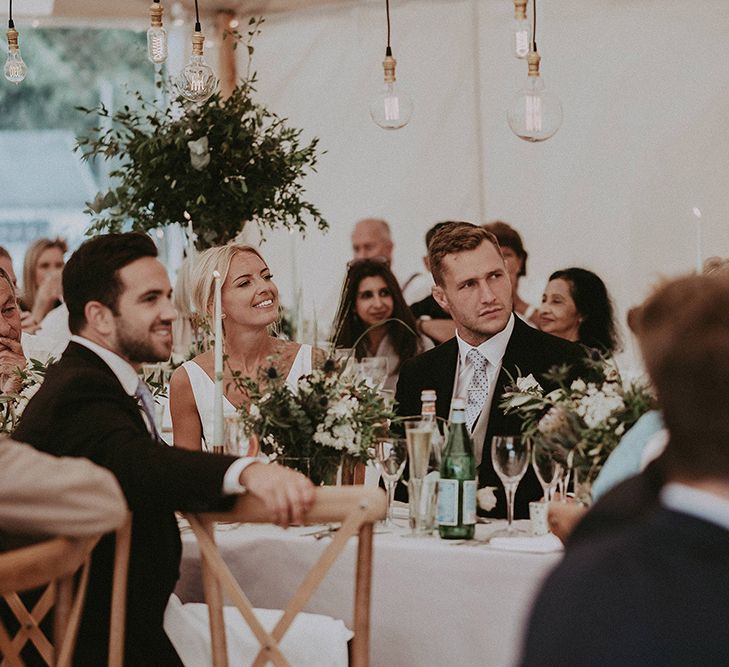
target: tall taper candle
699 241
218 396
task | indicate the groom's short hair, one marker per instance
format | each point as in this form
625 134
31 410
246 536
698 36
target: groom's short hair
452 238
683 330
92 272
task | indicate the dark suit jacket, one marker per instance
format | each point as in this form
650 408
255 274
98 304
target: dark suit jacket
82 410
654 593
528 351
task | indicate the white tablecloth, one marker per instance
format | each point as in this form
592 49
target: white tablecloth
433 602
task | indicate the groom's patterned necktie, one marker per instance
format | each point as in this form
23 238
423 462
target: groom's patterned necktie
146 401
478 390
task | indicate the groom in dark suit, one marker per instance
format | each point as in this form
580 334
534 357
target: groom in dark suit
491 343
92 404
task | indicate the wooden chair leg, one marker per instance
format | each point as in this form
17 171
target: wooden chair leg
214 599
362 592
119 594
61 612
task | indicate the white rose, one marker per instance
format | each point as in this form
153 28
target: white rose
486 498
528 383
578 385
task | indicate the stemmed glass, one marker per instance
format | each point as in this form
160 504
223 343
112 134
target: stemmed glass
373 370
390 456
548 471
510 458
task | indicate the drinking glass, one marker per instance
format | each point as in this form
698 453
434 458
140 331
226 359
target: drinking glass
563 482
373 370
344 356
548 470
390 455
510 458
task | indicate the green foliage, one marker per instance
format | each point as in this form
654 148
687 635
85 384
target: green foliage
224 163
68 67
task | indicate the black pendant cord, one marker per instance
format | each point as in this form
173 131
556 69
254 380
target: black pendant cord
388 51
534 26
198 28
10 16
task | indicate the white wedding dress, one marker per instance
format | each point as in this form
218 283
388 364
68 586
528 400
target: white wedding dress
203 388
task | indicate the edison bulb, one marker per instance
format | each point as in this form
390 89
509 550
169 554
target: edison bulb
392 108
521 38
157 44
15 67
535 114
196 82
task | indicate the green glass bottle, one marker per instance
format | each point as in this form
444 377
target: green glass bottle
457 485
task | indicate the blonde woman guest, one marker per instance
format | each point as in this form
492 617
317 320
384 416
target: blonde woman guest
250 306
42 268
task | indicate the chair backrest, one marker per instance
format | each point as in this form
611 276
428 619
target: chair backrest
61 565
356 507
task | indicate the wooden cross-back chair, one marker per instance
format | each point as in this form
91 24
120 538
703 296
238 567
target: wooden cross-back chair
356 507
61 565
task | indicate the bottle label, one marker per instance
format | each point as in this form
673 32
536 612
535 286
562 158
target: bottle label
448 502
469 502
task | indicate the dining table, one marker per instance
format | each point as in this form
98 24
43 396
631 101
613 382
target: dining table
434 601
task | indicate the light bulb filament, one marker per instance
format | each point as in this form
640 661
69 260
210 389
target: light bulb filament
392 108
533 113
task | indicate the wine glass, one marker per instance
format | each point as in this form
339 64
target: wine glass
510 458
390 455
373 370
548 470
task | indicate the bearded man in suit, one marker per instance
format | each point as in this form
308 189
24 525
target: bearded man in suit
92 404
491 344
645 576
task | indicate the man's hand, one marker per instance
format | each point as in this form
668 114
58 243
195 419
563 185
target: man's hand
563 517
12 359
286 493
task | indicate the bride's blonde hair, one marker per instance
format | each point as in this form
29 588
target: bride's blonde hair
201 277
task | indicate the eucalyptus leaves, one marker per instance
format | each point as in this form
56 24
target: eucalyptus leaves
225 162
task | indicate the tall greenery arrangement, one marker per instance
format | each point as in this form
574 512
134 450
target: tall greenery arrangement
221 163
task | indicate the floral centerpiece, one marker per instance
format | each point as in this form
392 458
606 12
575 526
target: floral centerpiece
327 418
580 423
219 164
13 404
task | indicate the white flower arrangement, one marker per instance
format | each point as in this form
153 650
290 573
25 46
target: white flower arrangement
13 405
579 423
327 414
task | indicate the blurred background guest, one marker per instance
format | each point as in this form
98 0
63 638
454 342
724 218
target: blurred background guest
370 296
576 306
12 359
250 307
42 269
432 320
515 257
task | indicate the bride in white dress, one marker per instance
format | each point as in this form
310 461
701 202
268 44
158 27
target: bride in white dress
250 306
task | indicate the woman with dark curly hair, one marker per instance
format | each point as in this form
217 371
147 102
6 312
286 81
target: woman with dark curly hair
576 306
370 297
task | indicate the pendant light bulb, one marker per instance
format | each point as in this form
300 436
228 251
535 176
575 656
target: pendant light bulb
196 82
535 114
393 107
521 30
15 68
156 35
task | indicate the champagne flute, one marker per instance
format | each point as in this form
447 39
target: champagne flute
548 470
373 370
510 458
390 455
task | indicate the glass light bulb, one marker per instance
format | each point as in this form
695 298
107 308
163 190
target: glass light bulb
522 36
535 114
15 68
197 80
157 44
392 108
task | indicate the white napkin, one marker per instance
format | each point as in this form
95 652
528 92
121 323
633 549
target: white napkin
538 544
